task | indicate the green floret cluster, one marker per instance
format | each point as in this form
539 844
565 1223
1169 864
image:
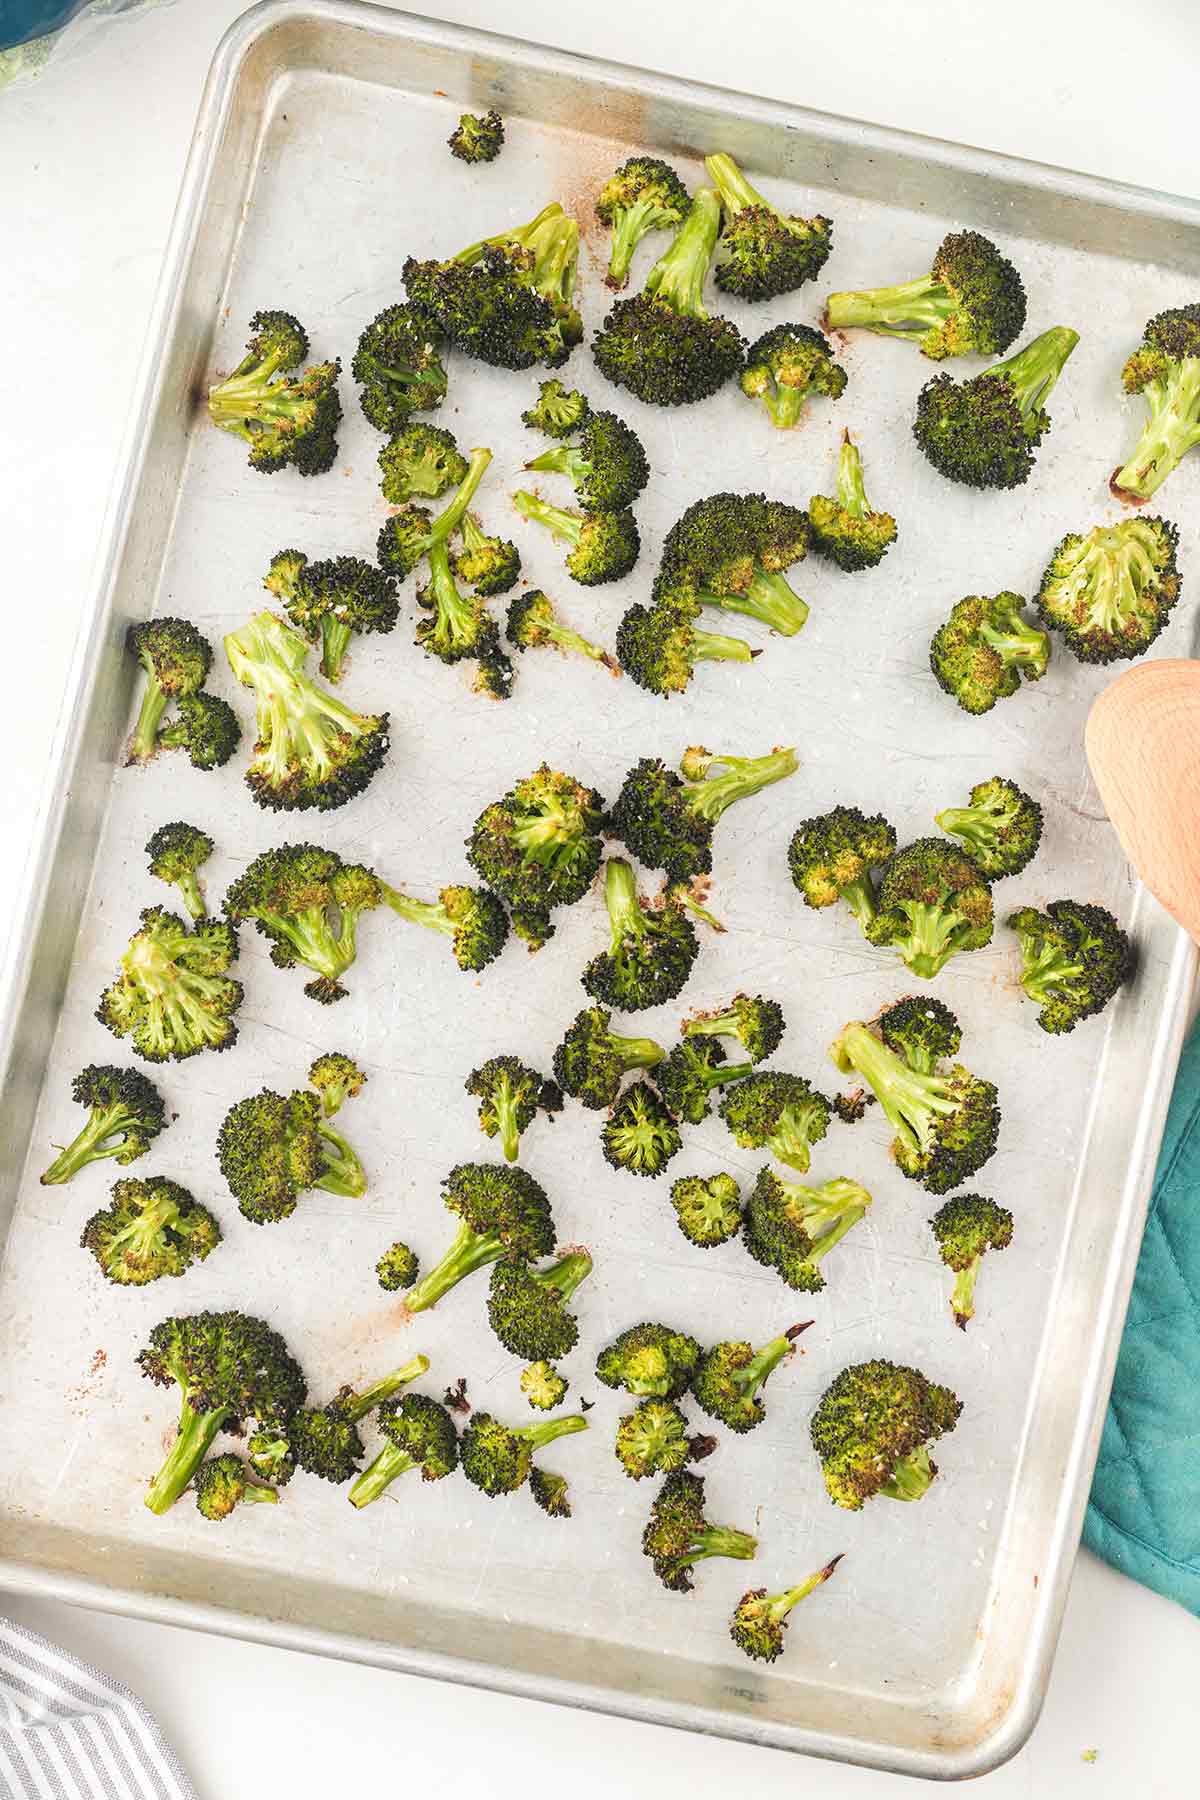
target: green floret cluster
872 1430
678 1535
272 1148
971 303
788 366
126 1114
151 1228
1000 828
1111 591
477 137
503 1213
845 527
964 1229
729 1378
606 463
770 1110
510 1096
605 543
332 601
640 1134
708 1208
285 418
592 1060
667 820
984 650
528 1310
652 1361
983 432
534 623
175 853
539 847
222 1485
760 1620
498 1459
418 1434
398 367
397 1268
172 997
791 1227
543 1387
933 902
833 857
1165 370
175 659
651 951
764 252
1074 959
752 1021
645 194
558 411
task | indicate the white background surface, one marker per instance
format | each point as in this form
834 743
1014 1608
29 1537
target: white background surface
90 163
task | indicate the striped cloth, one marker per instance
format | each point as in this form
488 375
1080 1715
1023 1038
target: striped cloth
69 1733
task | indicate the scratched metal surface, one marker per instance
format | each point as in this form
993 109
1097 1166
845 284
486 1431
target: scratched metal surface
937 1626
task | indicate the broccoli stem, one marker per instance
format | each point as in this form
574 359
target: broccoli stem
90 1146
142 1230
735 191
341 1171
909 1100
1034 370
635 1053
467 1253
192 1443
677 278
563 459
455 613
629 227
780 1605
712 646
1023 647
1172 429
745 775
315 945
905 310
933 931
784 403
567 526
358 1405
145 733
751 1376
250 393
621 897
504 1106
851 490
262 1495
568 1273
859 896
451 516
430 913
380 1474
962 1298
567 639
538 1436
720 1540
768 599
294 717
189 892
520 235
335 641
845 1218
911 1477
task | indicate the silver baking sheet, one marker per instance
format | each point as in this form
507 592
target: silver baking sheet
318 166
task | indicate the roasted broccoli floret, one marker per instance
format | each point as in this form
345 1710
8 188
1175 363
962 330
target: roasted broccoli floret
650 1360
728 1378
640 1135
791 1228
509 299
229 1367
659 646
397 1268
1074 957
283 418
337 1078
678 1536
421 461
557 411
984 650
922 1030
127 1114
764 252
845 528
786 367
534 624
543 1387
503 1212
331 600
458 626
206 727
1000 828
409 533
607 463
760 1620
592 1059
662 344
173 997
983 432
946 1124
1111 593
306 902
965 1228
498 1459
645 194
152 1228
934 903
176 659
872 1430
510 1096
325 1440
472 918
176 851
972 302
420 1434
752 1021
550 1492
398 367
1165 368
488 564
269 1453
527 1308
539 847
653 1440
831 858
477 137
730 551
667 822
605 545
691 1072
274 1147
769 1110
222 1485
708 1208
652 948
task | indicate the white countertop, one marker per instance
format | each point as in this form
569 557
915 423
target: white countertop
92 155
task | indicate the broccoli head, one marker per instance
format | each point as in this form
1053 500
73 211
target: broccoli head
652 1361
693 1069
397 1268
306 902
502 1212
126 1115
760 1620
325 1440
509 299
645 194
770 1110
410 532
831 858
543 1387
872 1429
1111 593
845 528
498 1458
274 1147
477 138
176 852
337 1078
659 646
527 1308
472 918
667 822
592 1059
730 551
972 302
398 367
331 600
282 417
550 1492
678 1536
729 1377
269 1453
1000 828
604 544
456 626
934 903
765 252
640 1135
173 997
534 624
708 1208
1165 368
981 653
607 463
965 1228
418 1434
791 1228
653 1440
510 1096
557 411
921 1030
206 727
152 1228
786 367
420 461
983 432
652 948
175 658
539 847
488 564
222 1484
1074 957
753 1021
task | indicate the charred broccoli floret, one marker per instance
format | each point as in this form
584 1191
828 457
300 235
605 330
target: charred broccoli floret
510 1096
1000 828
845 528
592 1058
527 1308
274 1147
152 1228
934 903
652 948
333 600
127 1114
503 1212
419 1434
398 367
488 564
972 302
662 344
410 532
534 624
176 659
498 1459
325 1440
921 1030
306 902
640 1135
206 727
770 1110
283 418
604 545
645 194
543 1387
420 462
176 852
222 1485
730 551
337 1078
557 411
173 997
791 1228
649 1360
765 252
667 822
678 1536
477 137
872 1430
1165 368
760 1620
786 367
985 648
397 1268
708 1208
1111 593
729 1377
1074 957
831 858
607 463
753 1021
691 1072
539 847
659 646
983 432
551 1493
269 1453
965 1228
653 1440
458 626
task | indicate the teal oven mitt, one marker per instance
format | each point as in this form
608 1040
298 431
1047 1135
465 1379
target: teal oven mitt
1144 1513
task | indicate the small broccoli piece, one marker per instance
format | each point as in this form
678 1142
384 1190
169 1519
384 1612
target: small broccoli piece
678 1536
934 903
557 411
176 852
274 1147
1074 957
921 1030
651 951
527 1308
1111 593
765 252
872 1429
831 858
845 528
477 138
754 1022
786 367
419 1434
331 600
127 1114
337 1078
472 918
791 1228
983 432
591 1060
509 299
283 418
420 461
708 1208
206 727
488 564
533 624
605 545
325 1440
639 1134
222 1484
851 1108
269 1453
607 464
543 1386
398 367
458 626
649 1360
397 1268
659 646
498 1459
728 1378
1000 828
690 1073
510 1096
769 1110
984 650
730 551
972 302
306 902
411 532
550 1492
663 345
760 1620
228 1367
152 1228
946 1125
653 1440
1165 368
503 1212
176 659
172 997
645 194
311 750
966 1227
539 847
667 823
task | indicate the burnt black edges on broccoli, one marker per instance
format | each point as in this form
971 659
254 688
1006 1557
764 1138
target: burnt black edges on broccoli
846 528
398 366
527 1308
640 1134
172 997
126 1115
764 252
533 623
728 1379
333 600
604 544
972 302
983 432
510 1096
831 858
984 650
606 464
659 646
176 659
770 1110
1000 828
760 1620
791 1228
651 950
787 367
498 1458
274 1147
643 195
651 1360
965 1228
282 417
419 1434
678 1536
325 1440
592 1059
477 138
176 852
1110 593
1165 369
752 1021
667 822
206 727
503 1212
539 847
872 1429
934 902
151 1228
690 1074
1074 958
